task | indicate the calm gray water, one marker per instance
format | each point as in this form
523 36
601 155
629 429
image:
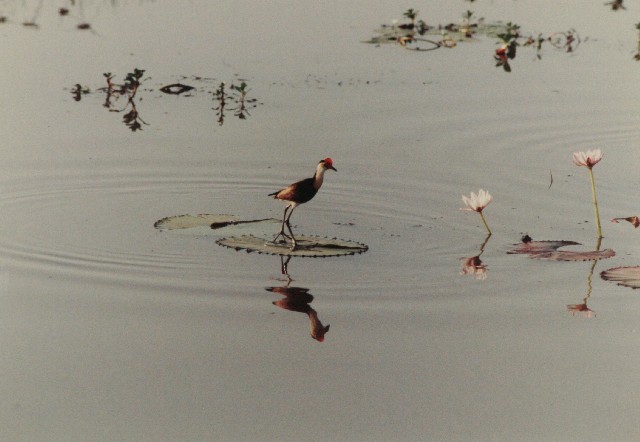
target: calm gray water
113 330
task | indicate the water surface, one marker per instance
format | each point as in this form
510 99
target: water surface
114 330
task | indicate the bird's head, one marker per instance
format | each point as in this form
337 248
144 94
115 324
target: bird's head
327 163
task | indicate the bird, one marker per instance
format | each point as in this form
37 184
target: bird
299 193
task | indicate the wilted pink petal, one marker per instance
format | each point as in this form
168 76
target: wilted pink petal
634 220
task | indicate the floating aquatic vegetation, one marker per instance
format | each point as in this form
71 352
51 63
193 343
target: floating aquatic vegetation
413 35
634 220
307 246
616 5
624 276
251 235
567 41
176 88
180 222
548 250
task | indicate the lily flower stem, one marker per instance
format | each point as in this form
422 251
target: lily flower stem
595 202
484 221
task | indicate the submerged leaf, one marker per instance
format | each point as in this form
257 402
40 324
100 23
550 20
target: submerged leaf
530 247
549 250
625 276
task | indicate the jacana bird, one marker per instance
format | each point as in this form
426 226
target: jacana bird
299 193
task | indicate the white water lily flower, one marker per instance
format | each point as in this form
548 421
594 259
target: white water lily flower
477 202
589 158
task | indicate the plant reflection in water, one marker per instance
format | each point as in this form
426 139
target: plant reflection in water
128 89
583 309
297 299
238 99
474 266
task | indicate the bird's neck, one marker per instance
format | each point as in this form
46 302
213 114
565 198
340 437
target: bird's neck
318 177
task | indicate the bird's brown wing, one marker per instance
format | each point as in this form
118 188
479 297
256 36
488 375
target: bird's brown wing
300 192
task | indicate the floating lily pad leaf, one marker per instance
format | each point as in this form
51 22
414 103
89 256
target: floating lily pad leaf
549 250
307 246
625 276
218 225
176 88
532 247
192 221
634 220
563 255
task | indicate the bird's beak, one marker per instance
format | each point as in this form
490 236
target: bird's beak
331 167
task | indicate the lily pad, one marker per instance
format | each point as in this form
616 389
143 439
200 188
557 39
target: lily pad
549 250
192 221
625 276
256 235
307 246
217 225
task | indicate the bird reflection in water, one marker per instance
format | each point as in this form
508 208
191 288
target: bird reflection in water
297 299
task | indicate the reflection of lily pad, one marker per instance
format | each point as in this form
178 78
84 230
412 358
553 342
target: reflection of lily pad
307 246
625 276
549 250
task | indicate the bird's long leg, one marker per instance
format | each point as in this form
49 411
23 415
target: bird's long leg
293 238
284 221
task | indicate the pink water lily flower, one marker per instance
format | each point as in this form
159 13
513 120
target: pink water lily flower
589 158
477 202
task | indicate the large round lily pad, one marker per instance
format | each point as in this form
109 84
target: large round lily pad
307 246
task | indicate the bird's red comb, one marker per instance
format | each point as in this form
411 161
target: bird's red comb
328 161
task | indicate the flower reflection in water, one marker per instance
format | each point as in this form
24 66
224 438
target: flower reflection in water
582 309
474 266
297 299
